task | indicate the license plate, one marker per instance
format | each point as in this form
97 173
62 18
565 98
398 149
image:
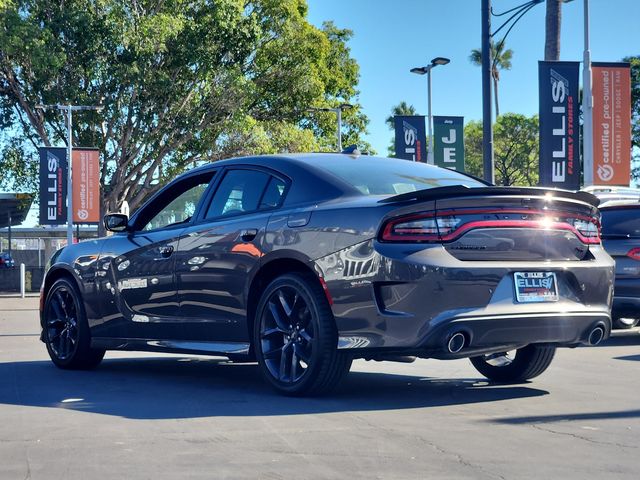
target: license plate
536 287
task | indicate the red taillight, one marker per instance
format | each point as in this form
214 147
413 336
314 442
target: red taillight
447 226
589 228
423 227
634 253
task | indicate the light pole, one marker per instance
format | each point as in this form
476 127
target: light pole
422 71
487 115
68 109
338 111
587 104
488 64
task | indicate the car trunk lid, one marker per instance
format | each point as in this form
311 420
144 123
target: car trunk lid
498 223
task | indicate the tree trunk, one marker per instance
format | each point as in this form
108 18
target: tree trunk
552 30
495 95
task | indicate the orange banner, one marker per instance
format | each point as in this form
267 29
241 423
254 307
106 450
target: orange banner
611 123
85 179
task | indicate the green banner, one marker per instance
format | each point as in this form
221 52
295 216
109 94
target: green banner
448 142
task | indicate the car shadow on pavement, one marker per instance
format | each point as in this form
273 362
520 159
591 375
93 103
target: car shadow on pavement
629 339
187 387
568 417
633 358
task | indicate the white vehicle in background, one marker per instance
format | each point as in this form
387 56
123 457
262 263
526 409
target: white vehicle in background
607 193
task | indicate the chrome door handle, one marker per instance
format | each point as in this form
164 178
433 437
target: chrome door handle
248 234
166 251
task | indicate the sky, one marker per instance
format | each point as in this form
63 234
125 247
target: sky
392 36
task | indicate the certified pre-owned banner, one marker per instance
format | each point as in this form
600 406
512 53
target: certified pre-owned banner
86 185
611 123
559 135
411 138
53 185
448 139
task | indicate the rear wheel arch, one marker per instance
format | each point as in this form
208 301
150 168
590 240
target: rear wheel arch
265 275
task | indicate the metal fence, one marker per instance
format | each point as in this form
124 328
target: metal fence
33 253
11 281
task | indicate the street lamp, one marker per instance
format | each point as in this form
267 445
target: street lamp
587 104
422 71
338 111
68 109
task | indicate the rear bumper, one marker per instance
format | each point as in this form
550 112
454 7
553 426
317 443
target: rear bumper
410 298
492 333
626 307
626 297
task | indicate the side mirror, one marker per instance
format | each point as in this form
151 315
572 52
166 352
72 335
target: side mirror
116 222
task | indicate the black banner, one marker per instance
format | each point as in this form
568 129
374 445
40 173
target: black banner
559 133
411 138
54 169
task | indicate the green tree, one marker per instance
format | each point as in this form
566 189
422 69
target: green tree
516 149
403 108
635 113
181 82
500 60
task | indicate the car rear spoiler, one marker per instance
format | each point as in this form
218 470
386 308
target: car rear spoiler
463 191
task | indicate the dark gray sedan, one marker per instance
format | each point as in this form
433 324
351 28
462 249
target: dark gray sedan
305 262
621 238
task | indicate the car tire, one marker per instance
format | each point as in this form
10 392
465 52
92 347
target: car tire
66 331
526 363
295 337
624 323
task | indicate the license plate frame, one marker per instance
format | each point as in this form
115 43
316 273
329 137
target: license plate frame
535 287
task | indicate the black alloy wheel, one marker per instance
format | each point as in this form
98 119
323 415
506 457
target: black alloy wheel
295 337
62 323
66 332
515 366
287 336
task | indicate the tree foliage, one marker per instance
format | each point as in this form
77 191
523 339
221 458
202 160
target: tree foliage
516 149
181 82
635 112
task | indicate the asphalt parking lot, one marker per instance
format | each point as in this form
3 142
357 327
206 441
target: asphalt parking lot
176 416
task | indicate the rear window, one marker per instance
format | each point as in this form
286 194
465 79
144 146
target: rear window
621 221
379 176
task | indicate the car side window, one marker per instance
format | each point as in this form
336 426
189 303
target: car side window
179 204
273 194
242 191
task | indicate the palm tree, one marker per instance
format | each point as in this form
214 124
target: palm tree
501 60
404 109
552 30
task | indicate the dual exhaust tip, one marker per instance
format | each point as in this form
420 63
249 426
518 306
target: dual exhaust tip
596 335
458 340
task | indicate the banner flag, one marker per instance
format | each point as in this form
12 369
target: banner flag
611 89
53 185
448 133
411 138
86 185
559 133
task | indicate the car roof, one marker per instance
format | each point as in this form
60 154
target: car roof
310 160
626 203
611 189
